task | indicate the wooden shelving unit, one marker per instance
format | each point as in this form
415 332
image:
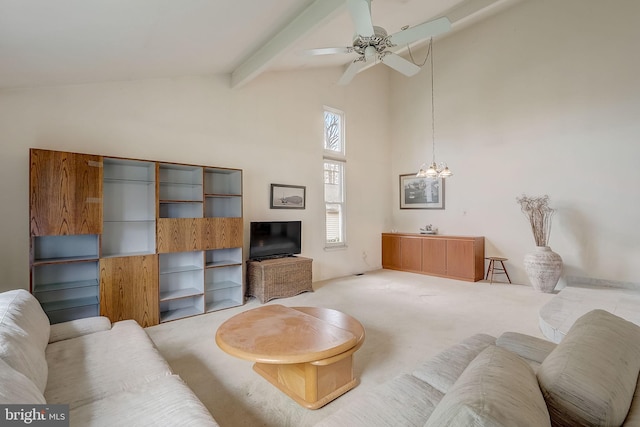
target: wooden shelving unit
133 239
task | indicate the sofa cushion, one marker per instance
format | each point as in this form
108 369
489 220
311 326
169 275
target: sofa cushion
498 388
402 401
93 366
24 334
165 401
443 370
78 327
15 388
590 378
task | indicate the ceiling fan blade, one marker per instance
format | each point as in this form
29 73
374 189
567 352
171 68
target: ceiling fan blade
400 64
325 51
421 31
360 11
351 71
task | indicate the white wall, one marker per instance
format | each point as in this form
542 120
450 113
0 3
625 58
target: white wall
543 98
271 128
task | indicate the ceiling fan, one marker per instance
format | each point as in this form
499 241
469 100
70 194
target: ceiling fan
372 43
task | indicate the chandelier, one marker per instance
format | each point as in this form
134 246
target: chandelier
433 170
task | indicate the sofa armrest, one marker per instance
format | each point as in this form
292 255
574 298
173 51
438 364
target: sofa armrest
526 346
78 327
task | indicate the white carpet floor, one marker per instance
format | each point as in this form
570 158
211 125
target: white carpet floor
407 317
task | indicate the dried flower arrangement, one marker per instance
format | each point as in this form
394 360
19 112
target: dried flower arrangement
537 210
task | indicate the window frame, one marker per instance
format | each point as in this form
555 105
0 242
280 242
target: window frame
328 152
340 158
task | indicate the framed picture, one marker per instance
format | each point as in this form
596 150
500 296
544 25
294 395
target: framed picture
288 196
421 193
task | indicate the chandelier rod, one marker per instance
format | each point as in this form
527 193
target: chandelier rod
433 114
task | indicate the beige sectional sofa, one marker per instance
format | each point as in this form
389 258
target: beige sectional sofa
588 379
109 375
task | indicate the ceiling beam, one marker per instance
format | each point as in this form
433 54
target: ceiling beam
309 20
473 9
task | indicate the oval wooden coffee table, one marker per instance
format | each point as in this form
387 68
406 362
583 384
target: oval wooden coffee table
307 352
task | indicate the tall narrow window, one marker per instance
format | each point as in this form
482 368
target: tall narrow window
334 173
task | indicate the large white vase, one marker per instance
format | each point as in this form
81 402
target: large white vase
543 266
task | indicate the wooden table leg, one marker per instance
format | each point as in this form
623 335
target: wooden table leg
313 384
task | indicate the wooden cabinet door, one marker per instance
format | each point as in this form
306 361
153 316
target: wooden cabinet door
129 289
411 250
221 233
65 193
434 256
179 235
391 252
198 234
460 259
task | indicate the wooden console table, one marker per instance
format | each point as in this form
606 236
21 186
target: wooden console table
455 257
278 278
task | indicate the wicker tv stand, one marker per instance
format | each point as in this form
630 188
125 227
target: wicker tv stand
278 278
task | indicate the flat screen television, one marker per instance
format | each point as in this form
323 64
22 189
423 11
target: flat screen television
275 239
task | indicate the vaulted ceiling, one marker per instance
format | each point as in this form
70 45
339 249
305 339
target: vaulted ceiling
53 42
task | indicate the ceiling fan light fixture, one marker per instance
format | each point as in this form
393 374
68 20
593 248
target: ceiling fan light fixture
370 52
374 45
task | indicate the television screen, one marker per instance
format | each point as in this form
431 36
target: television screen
275 239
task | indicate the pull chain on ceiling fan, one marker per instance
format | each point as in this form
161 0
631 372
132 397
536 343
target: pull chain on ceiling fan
372 44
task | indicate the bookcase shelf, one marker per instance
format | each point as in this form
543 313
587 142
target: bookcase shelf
223 206
129 207
53 249
64 260
65 274
216 305
73 313
179 183
223 181
179 308
223 283
63 286
181 284
69 303
179 293
180 209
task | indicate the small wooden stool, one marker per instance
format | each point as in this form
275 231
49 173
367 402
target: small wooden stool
497 270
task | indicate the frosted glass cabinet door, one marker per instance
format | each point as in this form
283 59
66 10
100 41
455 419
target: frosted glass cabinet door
65 193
